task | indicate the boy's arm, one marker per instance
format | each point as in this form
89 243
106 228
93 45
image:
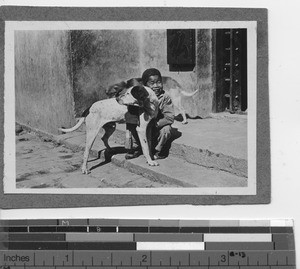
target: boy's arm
167 110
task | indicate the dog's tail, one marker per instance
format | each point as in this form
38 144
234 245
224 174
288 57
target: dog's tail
79 123
188 94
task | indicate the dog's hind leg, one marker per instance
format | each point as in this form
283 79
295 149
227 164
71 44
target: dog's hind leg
177 103
109 129
92 129
182 112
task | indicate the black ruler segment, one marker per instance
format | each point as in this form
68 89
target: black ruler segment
69 229
129 229
102 229
240 245
17 245
281 229
14 229
48 237
103 246
164 229
42 229
149 244
194 229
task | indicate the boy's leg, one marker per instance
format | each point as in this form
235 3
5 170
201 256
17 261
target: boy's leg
132 143
163 137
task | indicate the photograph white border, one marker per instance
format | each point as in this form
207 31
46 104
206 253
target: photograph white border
9 101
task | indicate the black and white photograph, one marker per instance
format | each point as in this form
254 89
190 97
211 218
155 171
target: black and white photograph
133 107
137 108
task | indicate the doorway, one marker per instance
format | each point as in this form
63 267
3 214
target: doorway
231 70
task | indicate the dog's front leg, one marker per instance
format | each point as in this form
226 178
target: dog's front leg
145 147
141 130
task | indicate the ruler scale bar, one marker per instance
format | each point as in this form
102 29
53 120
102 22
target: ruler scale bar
155 267
39 245
192 258
149 244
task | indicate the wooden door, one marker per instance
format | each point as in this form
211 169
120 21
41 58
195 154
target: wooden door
231 70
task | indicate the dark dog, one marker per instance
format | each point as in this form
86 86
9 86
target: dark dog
170 86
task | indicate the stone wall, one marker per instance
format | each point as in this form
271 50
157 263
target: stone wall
43 88
58 74
101 58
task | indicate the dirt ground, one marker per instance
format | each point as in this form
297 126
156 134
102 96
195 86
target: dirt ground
41 163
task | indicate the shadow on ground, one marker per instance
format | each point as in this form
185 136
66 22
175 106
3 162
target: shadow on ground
106 155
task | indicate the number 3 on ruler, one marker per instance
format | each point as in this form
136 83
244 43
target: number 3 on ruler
223 258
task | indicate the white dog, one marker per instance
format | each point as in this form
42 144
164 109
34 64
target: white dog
106 112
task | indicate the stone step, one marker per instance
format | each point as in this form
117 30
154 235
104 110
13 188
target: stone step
206 152
170 171
174 170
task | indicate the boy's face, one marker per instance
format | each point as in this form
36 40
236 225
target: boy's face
155 83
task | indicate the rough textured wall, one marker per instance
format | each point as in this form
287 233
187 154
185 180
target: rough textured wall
99 59
44 97
57 70
154 51
204 73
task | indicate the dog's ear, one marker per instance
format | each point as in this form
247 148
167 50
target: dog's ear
119 86
115 89
121 92
140 93
133 82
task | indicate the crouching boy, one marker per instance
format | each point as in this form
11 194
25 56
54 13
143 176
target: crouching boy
162 124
